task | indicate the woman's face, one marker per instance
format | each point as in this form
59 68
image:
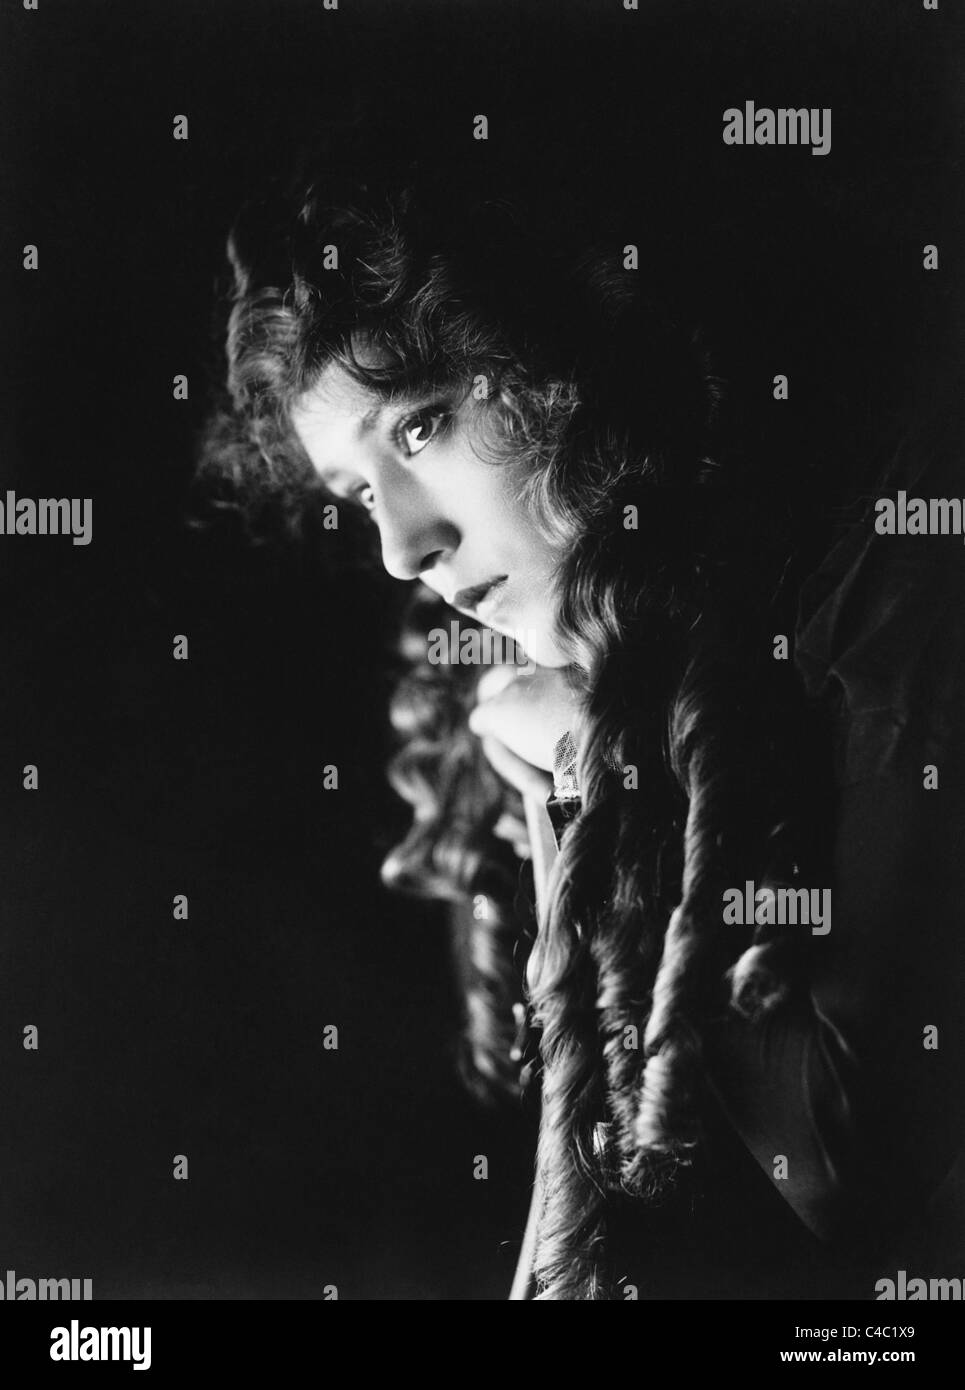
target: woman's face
444 514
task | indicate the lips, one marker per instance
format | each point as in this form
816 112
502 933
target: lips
478 594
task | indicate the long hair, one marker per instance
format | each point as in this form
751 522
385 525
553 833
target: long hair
700 764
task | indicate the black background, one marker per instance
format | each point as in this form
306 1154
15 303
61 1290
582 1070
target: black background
310 1167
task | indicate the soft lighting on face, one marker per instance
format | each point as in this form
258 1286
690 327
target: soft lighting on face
443 512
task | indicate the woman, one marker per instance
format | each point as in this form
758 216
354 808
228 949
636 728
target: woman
732 685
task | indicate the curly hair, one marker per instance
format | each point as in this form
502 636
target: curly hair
700 763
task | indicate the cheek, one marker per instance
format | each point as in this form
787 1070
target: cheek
515 520
497 517
537 636
538 567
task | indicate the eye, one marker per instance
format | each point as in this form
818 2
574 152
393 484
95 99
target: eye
416 431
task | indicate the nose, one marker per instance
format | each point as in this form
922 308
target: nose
414 537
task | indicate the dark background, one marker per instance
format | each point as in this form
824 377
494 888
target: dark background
310 1167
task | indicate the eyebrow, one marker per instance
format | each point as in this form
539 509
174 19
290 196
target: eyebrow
369 420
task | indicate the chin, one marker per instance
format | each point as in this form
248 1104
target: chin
539 646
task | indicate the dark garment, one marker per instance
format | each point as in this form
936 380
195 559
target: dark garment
725 1233
834 1129
862 1088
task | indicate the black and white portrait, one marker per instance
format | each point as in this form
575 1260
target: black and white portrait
482 525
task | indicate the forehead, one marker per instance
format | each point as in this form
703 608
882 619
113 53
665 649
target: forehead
334 398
